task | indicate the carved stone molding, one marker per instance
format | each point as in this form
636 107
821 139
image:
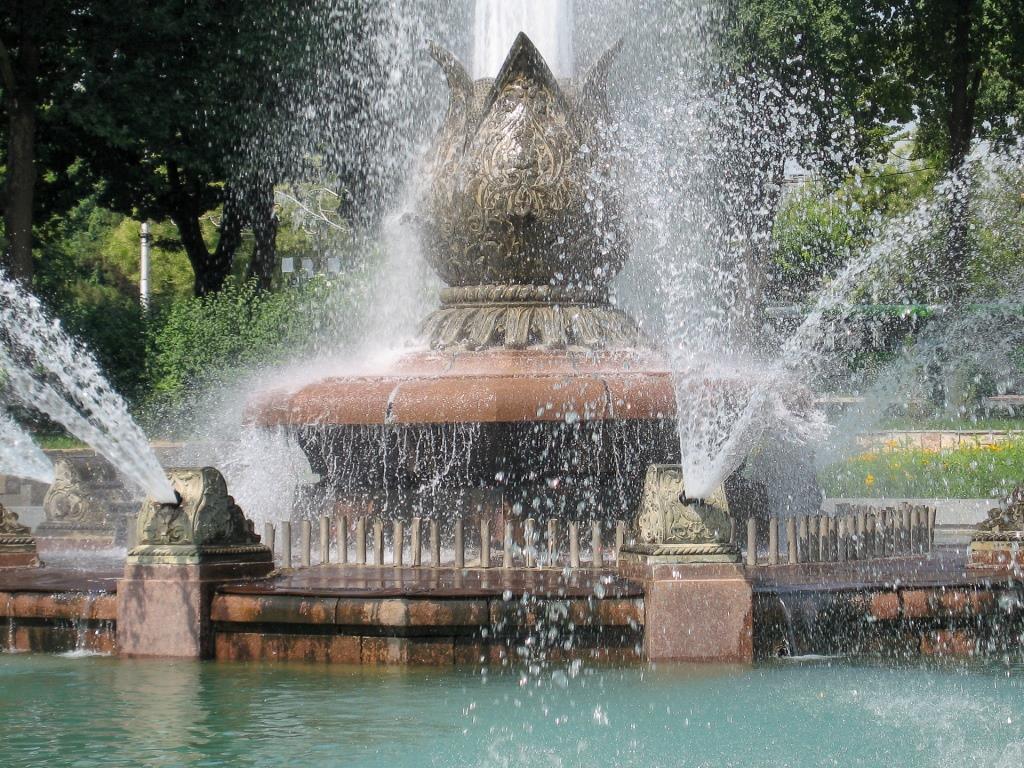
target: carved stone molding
671 530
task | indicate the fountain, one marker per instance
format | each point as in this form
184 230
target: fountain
533 394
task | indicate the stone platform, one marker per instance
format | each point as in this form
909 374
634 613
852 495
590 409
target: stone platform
935 605
359 614
898 607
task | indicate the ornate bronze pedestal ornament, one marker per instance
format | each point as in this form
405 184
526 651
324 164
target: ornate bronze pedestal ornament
673 529
17 546
999 540
205 525
86 501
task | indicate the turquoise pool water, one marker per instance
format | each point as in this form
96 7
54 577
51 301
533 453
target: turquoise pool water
94 711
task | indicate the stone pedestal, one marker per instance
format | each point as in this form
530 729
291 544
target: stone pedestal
17 547
163 609
698 602
185 551
696 613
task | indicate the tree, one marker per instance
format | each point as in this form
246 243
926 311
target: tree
37 50
961 65
182 110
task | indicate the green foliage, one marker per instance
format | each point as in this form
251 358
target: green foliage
838 43
999 219
818 230
960 63
984 472
211 341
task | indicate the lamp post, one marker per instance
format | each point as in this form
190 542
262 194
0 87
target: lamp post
144 236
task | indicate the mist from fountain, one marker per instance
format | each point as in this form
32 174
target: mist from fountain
49 371
19 456
549 24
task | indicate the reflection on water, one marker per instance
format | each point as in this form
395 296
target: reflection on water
97 711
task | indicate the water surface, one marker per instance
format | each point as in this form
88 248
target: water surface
93 711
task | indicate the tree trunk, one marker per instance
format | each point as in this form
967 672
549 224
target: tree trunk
18 79
964 84
264 227
210 270
20 192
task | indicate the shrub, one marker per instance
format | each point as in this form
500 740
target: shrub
205 342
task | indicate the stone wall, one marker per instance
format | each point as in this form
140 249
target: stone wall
937 440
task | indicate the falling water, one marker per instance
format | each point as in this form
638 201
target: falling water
549 23
19 456
49 371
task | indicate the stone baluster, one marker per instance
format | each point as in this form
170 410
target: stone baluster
752 541
361 541
773 541
286 544
596 549
415 543
325 539
378 542
530 543
574 545
398 544
341 534
871 535
268 536
306 543
485 543
842 538
915 530
460 544
932 511
903 535
508 545
792 547
552 543
435 544
862 530
620 537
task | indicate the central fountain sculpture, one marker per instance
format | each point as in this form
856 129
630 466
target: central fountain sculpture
534 395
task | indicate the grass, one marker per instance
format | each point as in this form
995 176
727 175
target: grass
57 442
966 473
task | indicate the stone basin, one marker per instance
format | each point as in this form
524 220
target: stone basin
487 386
